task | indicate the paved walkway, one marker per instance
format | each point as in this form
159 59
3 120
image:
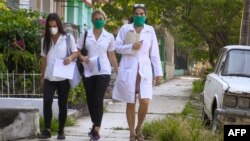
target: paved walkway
168 98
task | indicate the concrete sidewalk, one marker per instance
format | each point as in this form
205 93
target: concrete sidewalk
168 98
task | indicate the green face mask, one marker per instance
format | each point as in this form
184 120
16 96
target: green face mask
139 20
98 23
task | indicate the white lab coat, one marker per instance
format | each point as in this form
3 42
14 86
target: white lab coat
148 56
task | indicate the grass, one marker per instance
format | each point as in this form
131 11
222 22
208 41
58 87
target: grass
198 85
186 126
190 110
55 124
179 128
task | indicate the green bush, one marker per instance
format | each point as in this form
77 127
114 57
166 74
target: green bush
20 25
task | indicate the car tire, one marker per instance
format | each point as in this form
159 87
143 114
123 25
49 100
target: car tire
214 123
204 118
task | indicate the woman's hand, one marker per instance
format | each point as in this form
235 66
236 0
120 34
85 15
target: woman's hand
42 82
67 61
136 46
84 59
158 80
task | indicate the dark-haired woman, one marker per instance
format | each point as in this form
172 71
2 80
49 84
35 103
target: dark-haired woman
53 46
135 68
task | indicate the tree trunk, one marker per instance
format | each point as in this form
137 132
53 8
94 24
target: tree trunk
245 24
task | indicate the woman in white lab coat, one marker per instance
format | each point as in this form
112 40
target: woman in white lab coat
140 60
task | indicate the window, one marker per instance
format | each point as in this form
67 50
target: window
237 63
219 61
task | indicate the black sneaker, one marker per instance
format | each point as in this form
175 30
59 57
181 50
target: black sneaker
45 134
95 136
91 132
60 135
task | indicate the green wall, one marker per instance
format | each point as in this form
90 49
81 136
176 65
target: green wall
78 13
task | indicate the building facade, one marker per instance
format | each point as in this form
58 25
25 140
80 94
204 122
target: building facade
75 12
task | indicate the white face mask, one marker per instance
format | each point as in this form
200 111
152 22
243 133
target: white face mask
54 30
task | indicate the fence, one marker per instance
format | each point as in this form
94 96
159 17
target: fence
21 85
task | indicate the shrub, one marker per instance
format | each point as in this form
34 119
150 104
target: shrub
20 39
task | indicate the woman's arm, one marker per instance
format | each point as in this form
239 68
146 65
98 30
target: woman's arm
113 60
43 67
155 59
74 51
121 47
73 56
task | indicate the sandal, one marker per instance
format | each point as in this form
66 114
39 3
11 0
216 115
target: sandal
139 135
132 138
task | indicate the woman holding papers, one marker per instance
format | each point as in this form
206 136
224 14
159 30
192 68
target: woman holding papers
97 69
54 47
138 45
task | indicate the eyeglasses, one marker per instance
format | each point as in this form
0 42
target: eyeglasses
139 5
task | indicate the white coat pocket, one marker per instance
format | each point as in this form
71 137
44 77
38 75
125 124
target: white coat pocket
125 74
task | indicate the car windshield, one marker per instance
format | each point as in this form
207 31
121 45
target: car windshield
237 63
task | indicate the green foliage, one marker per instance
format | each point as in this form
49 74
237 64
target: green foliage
200 27
19 61
55 124
3 6
77 96
151 129
2 65
126 8
189 110
178 128
211 24
198 85
20 25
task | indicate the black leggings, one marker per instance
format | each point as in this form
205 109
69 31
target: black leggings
95 88
62 88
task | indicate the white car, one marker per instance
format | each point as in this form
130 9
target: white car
226 94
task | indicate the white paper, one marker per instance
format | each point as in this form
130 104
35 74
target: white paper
132 37
63 71
76 79
93 65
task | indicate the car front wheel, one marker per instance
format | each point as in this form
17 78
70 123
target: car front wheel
214 121
204 118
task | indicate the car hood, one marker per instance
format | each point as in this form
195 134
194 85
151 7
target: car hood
237 84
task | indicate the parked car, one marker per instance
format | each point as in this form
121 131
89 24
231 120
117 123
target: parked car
226 94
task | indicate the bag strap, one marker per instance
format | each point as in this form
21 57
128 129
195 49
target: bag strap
84 41
68 44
